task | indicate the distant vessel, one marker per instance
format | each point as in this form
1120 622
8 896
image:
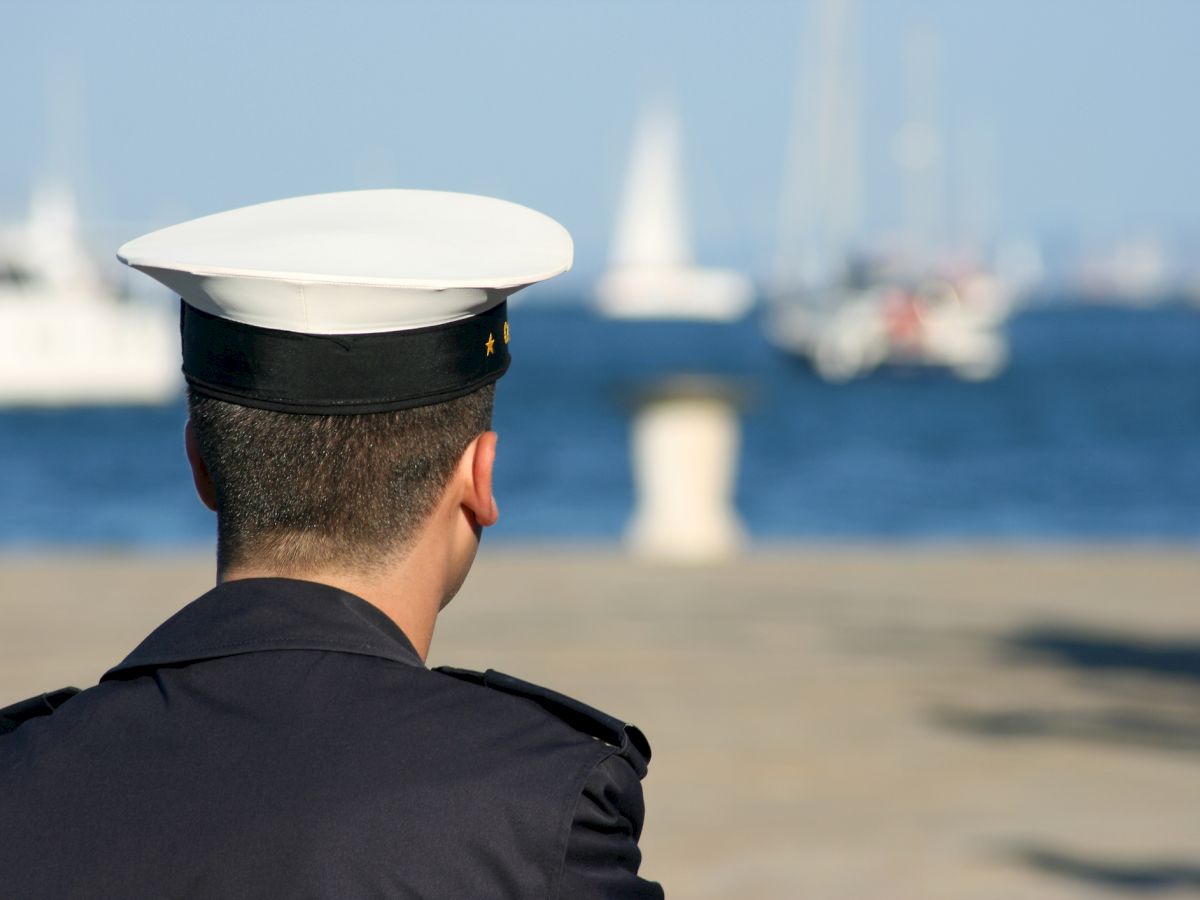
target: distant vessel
652 273
853 330
1135 271
66 336
831 304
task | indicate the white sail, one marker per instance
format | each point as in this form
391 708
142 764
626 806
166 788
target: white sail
652 275
652 217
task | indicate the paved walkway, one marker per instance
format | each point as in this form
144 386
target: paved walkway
841 723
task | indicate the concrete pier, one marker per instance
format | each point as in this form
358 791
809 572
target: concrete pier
827 722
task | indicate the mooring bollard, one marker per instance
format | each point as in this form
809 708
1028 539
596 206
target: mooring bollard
686 437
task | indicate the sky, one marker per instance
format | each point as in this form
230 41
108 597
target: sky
159 112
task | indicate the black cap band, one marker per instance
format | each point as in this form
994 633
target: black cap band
331 374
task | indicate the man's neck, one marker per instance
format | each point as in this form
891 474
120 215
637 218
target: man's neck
407 595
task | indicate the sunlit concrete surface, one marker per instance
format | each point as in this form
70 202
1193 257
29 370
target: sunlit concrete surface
827 722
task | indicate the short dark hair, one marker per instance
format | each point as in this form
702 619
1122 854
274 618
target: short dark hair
308 492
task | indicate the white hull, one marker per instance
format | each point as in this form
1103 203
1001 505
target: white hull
646 292
66 339
66 353
849 334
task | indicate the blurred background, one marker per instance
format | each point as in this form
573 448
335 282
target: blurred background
885 314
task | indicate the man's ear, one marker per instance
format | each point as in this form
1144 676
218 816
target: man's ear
204 483
477 464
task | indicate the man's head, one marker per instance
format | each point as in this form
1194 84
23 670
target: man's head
298 494
321 336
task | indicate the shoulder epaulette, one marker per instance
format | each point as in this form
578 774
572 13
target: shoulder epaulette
41 705
628 739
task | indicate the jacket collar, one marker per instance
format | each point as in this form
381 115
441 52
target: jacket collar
258 614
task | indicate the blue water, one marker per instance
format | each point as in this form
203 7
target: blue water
1093 432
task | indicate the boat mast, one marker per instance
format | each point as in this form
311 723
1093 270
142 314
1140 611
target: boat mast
919 153
821 205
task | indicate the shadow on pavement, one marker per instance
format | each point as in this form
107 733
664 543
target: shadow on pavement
1158 704
1095 651
1154 877
1131 727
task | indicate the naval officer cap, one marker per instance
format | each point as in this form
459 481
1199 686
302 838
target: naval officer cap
355 302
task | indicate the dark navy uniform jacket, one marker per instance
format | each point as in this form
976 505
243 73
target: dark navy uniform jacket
280 738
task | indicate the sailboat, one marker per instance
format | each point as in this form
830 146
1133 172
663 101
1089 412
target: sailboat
830 303
652 273
66 337
820 307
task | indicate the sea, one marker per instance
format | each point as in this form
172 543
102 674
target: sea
1091 434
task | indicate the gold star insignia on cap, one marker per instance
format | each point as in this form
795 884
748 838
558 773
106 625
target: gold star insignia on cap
491 345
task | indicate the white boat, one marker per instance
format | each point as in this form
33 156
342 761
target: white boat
66 336
937 323
1135 271
652 274
846 317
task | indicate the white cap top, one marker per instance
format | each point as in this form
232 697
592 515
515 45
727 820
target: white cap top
355 262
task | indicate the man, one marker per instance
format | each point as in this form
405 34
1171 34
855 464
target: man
280 736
